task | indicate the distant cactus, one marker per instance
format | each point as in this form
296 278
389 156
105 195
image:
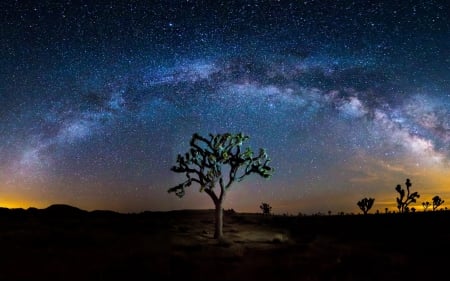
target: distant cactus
266 208
425 205
365 204
405 198
437 201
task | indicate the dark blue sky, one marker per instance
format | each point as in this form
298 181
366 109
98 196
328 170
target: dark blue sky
349 97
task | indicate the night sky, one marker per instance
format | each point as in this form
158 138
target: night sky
349 98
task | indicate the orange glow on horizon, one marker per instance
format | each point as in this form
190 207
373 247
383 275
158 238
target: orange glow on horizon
428 183
16 204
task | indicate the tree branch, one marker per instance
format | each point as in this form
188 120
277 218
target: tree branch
213 195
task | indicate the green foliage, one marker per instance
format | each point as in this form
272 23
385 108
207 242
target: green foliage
437 201
365 204
207 158
405 198
266 208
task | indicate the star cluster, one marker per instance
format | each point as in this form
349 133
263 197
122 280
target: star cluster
348 97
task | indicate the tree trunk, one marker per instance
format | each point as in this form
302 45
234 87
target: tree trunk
218 232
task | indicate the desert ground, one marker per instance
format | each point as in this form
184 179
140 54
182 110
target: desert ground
65 243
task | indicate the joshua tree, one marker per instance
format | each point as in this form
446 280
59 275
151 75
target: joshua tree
266 208
425 205
437 201
405 198
215 163
365 204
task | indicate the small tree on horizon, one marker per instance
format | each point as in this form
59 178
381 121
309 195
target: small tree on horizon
266 208
365 204
215 163
425 205
405 198
437 201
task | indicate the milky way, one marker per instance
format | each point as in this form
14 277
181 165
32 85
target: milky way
348 98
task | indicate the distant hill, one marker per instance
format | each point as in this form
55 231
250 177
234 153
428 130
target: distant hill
63 208
68 210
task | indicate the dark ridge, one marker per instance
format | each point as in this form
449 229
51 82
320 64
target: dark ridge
191 211
104 213
63 210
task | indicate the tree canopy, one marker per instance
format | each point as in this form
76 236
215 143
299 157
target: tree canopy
206 160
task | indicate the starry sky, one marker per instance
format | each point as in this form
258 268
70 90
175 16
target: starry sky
349 98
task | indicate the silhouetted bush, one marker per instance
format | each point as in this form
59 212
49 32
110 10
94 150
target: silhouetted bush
365 204
405 198
437 201
266 208
230 212
425 205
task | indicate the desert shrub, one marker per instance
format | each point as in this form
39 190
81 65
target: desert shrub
266 208
365 204
405 198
